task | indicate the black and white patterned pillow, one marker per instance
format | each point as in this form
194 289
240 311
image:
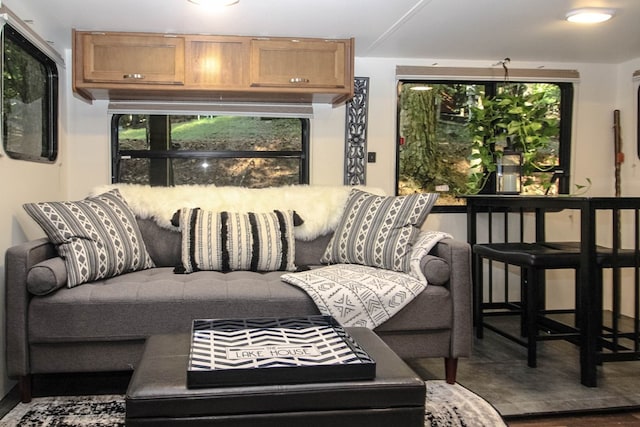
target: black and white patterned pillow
379 231
97 237
228 241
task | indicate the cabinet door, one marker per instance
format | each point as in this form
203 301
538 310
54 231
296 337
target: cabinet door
136 59
217 62
300 63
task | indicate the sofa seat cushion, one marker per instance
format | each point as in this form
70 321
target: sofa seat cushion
432 309
139 304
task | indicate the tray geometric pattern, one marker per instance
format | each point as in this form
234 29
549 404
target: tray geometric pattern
278 350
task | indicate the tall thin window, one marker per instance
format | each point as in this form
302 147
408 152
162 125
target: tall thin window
166 150
29 100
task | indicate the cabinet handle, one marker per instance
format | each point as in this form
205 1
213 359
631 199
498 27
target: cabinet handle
298 80
133 76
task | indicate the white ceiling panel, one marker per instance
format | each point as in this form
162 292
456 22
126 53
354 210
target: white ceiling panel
525 30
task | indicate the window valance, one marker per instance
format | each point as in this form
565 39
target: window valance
213 108
485 74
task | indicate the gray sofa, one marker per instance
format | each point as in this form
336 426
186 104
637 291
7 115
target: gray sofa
102 326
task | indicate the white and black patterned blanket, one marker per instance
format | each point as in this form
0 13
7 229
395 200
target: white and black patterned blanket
358 295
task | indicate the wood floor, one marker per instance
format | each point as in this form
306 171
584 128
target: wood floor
623 419
551 394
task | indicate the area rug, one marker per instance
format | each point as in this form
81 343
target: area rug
452 405
446 405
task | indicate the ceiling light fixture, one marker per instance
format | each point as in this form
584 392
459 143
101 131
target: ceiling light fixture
214 3
590 15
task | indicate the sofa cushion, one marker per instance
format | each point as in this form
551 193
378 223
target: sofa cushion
136 305
378 231
47 276
228 241
97 237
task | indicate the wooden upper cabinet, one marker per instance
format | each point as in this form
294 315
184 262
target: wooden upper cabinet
190 67
303 63
132 59
217 62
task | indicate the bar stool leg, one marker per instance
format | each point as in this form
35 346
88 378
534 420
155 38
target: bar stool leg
531 308
523 302
478 298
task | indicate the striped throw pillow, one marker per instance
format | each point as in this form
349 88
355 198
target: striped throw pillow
228 241
97 237
379 231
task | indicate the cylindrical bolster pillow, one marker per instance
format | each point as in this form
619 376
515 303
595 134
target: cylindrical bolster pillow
47 276
436 270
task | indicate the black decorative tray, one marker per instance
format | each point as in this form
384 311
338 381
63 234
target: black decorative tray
259 351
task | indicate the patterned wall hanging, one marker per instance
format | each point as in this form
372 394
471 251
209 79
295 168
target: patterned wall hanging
355 167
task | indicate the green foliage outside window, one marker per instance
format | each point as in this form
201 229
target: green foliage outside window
518 119
450 133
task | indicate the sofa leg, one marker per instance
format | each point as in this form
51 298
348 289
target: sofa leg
24 386
450 369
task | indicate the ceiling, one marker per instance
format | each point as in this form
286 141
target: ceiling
523 30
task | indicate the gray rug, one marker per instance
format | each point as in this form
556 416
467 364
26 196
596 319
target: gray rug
446 405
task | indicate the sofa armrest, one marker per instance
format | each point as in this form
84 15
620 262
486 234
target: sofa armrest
458 255
18 260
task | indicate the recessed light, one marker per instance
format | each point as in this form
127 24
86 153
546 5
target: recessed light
590 15
421 88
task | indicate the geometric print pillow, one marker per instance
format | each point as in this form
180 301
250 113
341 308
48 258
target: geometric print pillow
228 241
97 237
378 231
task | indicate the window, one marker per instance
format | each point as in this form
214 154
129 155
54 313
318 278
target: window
435 148
166 150
29 100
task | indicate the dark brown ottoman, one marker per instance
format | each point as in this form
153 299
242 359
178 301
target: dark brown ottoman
158 395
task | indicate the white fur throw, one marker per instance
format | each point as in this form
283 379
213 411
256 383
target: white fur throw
320 207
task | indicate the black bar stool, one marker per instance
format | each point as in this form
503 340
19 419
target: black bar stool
533 259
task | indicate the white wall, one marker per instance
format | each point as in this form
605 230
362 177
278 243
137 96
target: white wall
24 182
626 102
